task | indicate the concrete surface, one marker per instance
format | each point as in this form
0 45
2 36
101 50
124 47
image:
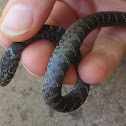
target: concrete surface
21 103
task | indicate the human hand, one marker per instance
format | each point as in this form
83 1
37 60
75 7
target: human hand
102 50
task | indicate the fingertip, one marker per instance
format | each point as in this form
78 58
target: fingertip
96 67
36 56
35 60
71 76
22 19
58 15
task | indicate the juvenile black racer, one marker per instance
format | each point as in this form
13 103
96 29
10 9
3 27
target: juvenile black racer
67 52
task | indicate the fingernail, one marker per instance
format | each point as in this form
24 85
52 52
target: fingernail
18 20
28 69
2 45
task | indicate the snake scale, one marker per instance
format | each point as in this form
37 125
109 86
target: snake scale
66 53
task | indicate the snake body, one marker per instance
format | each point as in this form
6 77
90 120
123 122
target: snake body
66 53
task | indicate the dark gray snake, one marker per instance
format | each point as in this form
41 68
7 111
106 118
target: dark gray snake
67 52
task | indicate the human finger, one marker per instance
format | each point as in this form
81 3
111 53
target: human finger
22 19
105 56
39 58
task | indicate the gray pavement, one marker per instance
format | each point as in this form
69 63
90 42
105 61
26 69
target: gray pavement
21 102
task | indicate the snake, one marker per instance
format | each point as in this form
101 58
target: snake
67 52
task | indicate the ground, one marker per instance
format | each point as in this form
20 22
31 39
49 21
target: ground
21 102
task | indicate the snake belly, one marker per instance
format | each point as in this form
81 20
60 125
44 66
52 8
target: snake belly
66 53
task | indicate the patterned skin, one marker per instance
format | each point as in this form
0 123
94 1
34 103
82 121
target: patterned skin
67 52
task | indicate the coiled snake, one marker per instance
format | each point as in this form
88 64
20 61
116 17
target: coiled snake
67 52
